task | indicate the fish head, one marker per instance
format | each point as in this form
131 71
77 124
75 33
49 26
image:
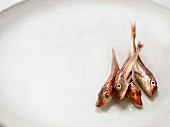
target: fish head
105 95
121 88
134 94
148 82
151 86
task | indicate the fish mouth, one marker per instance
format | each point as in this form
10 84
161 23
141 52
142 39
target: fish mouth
99 103
122 93
154 89
151 92
139 103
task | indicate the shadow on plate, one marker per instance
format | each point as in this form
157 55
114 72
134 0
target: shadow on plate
2 125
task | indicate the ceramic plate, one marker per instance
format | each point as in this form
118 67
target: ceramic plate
55 56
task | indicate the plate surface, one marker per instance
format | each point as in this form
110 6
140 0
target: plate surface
56 55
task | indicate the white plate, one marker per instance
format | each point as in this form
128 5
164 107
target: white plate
55 56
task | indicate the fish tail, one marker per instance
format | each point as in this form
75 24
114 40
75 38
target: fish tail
133 26
113 52
140 46
115 66
133 32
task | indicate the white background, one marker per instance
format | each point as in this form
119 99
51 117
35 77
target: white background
51 111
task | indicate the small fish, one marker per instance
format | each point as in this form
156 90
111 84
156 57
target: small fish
134 94
143 75
121 83
107 92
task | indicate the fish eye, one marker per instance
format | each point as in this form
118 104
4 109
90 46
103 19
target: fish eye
119 86
133 94
107 95
153 83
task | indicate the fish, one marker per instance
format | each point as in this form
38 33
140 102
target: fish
107 92
133 93
142 74
121 83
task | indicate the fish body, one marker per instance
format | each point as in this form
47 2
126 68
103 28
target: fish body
107 92
121 83
142 74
